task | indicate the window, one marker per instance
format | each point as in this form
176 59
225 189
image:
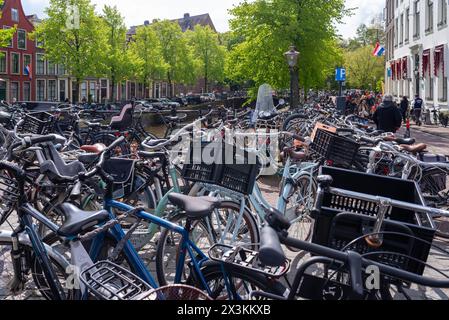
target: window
40 64
84 91
396 37
429 15
104 90
123 97
92 91
15 15
3 61
26 91
407 25
40 90
442 13
10 41
15 63
22 39
51 94
417 24
51 69
61 90
26 60
402 29
61 70
429 88
15 91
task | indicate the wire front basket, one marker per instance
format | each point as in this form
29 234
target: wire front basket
176 292
9 195
108 281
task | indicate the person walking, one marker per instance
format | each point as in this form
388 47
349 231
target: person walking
404 108
387 117
417 109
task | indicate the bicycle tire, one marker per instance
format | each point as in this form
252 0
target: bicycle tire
249 223
213 272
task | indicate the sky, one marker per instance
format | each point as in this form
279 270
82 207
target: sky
137 11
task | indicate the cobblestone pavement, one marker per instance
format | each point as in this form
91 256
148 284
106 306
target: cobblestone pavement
438 141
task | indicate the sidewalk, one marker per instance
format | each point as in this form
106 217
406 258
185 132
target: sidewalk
433 130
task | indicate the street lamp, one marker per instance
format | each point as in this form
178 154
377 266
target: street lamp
292 59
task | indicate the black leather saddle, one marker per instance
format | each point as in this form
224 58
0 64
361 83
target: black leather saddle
78 221
195 207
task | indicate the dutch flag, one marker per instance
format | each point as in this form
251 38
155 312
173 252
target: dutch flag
379 50
27 71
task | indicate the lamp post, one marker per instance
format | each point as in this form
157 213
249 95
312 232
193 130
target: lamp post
292 60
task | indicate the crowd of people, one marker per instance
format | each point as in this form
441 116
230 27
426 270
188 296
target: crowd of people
383 110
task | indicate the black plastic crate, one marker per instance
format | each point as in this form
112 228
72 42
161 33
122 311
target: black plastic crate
38 123
338 232
341 151
196 169
239 171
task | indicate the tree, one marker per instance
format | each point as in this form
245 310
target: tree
269 27
117 64
73 36
5 34
177 54
364 70
209 52
146 53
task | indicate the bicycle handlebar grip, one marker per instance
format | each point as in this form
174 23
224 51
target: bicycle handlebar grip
18 172
114 144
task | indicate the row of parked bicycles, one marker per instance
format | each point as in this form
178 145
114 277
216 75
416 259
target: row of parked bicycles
139 217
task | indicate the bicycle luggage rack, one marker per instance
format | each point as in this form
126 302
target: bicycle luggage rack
246 259
108 281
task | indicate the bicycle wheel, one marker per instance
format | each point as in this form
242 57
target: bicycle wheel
204 235
242 283
300 205
29 290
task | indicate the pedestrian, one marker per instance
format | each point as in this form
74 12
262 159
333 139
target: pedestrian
387 117
417 109
404 108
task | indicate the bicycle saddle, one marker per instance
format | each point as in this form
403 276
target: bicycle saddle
78 221
409 141
96 148
271 253
414 149
195 208
293 154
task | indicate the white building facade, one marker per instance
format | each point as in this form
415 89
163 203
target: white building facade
417 50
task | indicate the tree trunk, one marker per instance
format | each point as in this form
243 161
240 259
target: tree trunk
113 89
169 93
77 90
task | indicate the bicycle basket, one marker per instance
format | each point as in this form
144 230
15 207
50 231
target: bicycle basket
122 170
341 151
37 123
9 195
336 230
175 292
198 169
108 281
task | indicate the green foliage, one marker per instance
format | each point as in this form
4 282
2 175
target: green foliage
145 52
209 53
176 52
269 27
80 47
5 34
363 70
117 66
